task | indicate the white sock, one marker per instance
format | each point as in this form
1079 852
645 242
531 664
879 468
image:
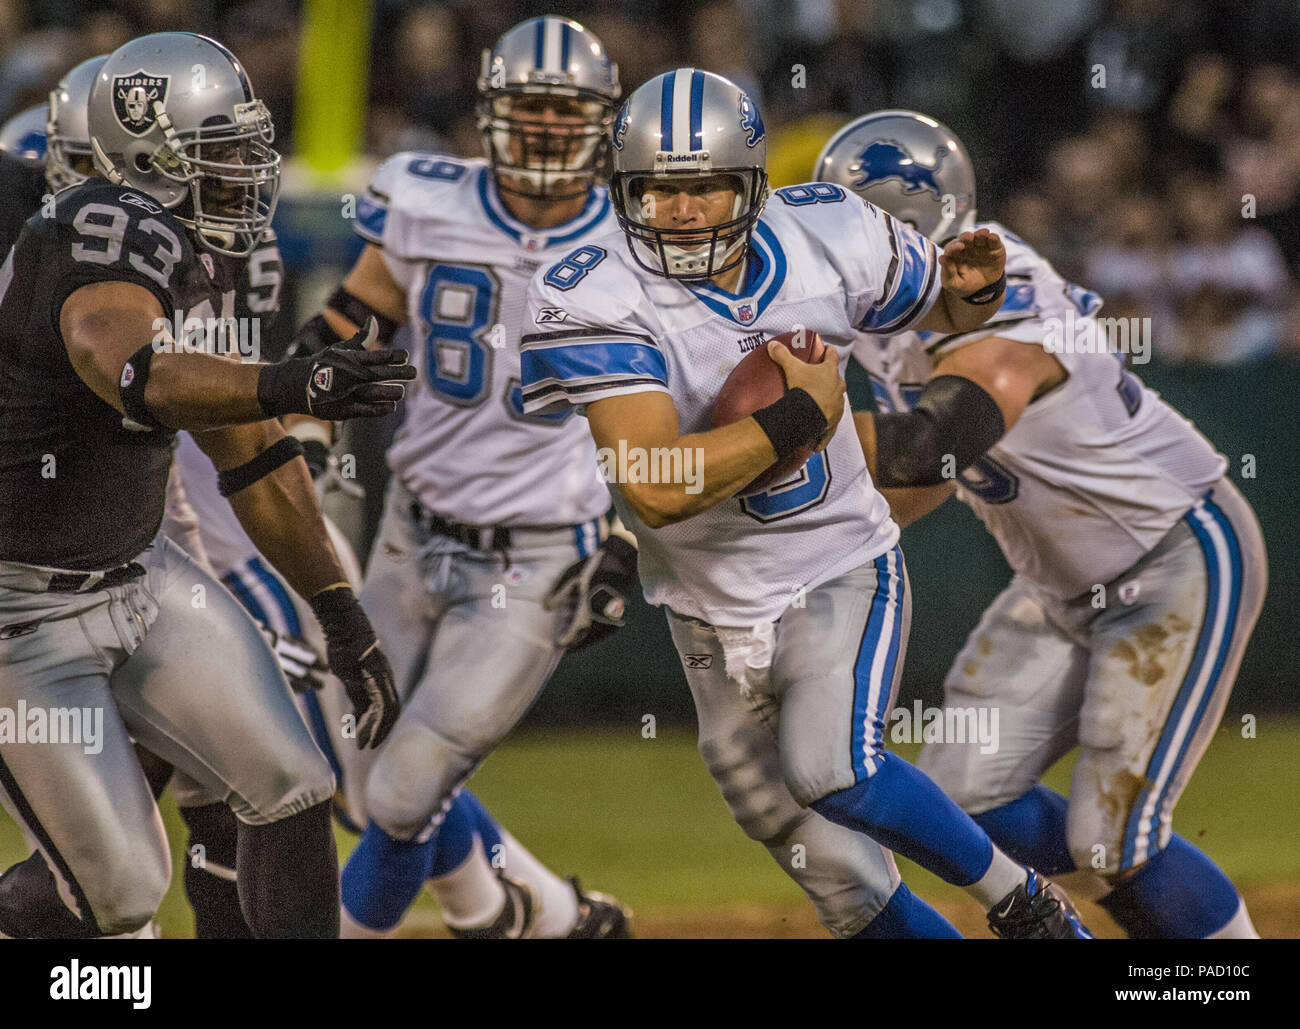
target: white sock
1239 927
470 894
557 904
351 929
1003 876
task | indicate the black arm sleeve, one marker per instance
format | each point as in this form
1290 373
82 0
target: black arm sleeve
954 416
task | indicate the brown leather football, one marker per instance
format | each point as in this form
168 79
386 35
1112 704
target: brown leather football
756 382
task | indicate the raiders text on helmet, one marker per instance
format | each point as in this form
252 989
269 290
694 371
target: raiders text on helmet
686 124
547 62
907 164
173 115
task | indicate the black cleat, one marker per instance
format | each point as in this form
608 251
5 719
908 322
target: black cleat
600 916
1037 910
515 920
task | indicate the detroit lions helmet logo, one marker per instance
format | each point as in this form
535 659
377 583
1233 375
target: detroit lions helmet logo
620 127
133 100
884 159
751 121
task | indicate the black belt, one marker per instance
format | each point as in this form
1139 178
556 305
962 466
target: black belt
75 582
497 537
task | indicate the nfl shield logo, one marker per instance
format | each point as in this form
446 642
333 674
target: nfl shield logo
1128 592
207 263
133 98
745 313
323 379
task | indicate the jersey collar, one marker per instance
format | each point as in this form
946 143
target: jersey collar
763 280
593 211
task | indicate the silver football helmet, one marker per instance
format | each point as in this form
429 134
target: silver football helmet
68 157
907 164
542 70
23 135
687 124
173 115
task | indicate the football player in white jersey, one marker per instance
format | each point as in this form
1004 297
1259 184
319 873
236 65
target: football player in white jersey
494 553
1139 567
789 606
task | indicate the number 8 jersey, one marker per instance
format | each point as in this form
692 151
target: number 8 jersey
466 448
1096 470
77 489
820 259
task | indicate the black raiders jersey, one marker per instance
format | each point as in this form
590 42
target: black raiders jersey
22 188
78 489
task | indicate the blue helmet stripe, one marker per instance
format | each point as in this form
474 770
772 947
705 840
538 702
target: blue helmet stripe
539 44
565 32
666 112
697 110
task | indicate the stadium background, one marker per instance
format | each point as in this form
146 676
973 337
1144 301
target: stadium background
1149 148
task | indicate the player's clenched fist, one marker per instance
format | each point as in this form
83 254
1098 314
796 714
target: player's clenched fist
821 380
972 263
346 380
355 657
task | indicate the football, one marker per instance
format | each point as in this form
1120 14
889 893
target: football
756 382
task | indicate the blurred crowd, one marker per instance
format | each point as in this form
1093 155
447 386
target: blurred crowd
1150 148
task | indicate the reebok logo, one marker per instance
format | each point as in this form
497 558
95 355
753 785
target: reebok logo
698 660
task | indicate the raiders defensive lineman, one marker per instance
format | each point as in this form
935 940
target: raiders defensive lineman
790 607
91 395
1139 568
493 555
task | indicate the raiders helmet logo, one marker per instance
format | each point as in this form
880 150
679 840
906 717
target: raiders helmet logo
133 98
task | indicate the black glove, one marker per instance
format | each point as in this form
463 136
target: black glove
345 380
301 665
355 657
596 589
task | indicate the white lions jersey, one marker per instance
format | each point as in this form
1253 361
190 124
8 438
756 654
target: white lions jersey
467 448
820 258
1097 470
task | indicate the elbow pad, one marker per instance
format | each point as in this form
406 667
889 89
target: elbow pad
954 416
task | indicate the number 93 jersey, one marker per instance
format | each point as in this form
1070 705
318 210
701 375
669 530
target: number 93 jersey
467 448
820 259
77 489
1096 470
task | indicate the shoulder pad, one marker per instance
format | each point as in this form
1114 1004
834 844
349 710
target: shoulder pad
586 286
407 182
107 232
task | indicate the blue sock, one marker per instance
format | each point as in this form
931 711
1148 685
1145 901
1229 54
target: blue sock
1180 894
901 808
455 836
484 824
1031 830
383 877
907 917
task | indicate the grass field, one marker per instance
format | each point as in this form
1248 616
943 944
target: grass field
642 819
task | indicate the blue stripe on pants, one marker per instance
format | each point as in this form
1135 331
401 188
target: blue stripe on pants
881 624
1221 606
